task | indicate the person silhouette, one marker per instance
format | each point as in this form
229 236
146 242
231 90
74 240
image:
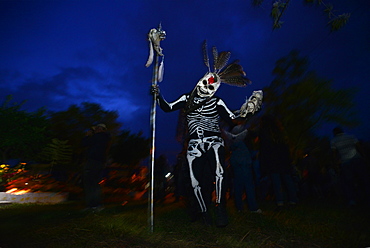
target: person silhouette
97 142
348 152
241 164
275 160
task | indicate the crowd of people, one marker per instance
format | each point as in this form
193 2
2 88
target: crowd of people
258 167
259 161
261 168
256 163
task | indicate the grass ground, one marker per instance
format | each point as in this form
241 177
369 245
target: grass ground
318 223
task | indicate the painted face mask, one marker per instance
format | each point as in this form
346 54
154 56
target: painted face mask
208 85
232 74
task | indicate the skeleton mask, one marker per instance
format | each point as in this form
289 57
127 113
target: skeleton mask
256 98
208 85
252 104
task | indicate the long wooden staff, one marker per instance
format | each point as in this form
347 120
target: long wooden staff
155 36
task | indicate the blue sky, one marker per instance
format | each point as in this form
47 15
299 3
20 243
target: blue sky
58 53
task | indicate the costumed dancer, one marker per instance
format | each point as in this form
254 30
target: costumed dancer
206 151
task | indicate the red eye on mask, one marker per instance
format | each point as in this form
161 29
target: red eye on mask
211 80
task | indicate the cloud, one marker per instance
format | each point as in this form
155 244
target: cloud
72 85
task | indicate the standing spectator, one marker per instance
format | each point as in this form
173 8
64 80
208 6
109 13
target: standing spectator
97 141
160 182
241 164
180 172
275 160
354 172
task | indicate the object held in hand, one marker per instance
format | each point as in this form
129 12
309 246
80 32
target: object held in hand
252 104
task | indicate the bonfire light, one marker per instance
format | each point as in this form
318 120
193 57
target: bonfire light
15 191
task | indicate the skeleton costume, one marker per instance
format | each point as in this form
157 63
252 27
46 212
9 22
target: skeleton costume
205 152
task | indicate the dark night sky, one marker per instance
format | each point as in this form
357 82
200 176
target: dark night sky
58 53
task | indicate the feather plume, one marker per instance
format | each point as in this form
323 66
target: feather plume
215 56
151 54
222 60
233 69
236 81
234 74
205 55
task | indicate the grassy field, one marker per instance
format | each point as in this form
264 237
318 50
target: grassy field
319 223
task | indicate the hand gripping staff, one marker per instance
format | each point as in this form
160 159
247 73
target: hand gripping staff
155 36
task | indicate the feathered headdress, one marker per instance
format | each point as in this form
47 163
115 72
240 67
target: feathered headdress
232 74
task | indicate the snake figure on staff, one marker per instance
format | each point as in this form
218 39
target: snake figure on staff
206 149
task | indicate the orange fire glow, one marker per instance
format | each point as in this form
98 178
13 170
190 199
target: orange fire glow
16 191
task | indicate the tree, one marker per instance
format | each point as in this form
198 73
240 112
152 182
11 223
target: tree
23 134
130 149
303 101
72 124
335 22
58 152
